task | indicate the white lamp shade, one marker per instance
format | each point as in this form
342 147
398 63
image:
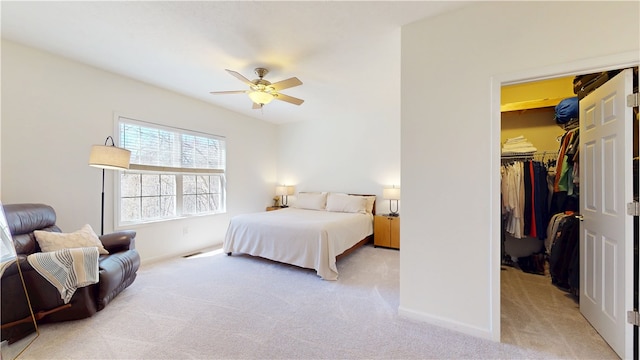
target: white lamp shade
391 194
284 190
109 157
260 97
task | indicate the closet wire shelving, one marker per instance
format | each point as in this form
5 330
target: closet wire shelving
541 156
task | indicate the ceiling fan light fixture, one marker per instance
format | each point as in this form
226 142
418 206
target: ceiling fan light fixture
262 91
260 97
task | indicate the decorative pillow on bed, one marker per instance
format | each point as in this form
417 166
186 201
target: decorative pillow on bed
311 201
53 241
346 203
371 199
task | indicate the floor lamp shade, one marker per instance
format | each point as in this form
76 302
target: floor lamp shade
109 157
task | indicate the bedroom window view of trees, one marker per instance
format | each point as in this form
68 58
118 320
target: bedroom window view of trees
173 173
200 193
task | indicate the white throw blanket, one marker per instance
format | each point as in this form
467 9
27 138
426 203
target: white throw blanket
67 269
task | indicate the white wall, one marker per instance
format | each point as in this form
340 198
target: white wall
54 109
356 152
449 269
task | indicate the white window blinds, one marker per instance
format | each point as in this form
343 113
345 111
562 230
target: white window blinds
165 149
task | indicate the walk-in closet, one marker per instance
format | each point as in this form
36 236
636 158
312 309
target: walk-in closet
540 223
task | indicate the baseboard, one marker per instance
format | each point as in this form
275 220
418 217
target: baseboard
447 324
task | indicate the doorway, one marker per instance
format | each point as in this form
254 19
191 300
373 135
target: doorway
594 65
538 308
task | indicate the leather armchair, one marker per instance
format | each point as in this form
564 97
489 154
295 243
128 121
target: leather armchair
117 271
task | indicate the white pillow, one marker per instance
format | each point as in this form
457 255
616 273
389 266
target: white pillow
371 199
53 241
346 203
311 201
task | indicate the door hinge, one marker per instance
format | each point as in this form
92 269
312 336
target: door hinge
633 100
633 208
633 318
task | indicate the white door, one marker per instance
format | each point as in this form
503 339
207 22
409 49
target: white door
606 234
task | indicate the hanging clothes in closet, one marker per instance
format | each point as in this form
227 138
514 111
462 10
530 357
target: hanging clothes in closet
525 197
566 180
563 228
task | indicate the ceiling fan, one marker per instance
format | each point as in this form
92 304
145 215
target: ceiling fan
262 91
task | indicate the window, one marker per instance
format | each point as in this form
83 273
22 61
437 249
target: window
173 173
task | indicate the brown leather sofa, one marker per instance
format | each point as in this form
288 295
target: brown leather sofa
117 270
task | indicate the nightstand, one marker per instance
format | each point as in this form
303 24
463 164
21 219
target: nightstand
386 231
271 208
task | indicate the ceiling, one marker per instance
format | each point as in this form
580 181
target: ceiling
337 49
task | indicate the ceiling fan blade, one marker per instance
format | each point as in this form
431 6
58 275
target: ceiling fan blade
285 84
228 92
289 99
240 77
256 106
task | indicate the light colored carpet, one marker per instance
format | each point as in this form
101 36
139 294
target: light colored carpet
242 307
538 315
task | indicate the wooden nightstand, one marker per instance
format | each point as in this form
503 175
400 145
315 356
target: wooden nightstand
271 208
386 231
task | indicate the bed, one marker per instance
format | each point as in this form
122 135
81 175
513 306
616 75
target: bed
312 233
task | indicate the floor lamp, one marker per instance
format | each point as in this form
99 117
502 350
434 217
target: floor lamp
108 157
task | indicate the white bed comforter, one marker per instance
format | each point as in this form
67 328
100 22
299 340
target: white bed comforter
306 238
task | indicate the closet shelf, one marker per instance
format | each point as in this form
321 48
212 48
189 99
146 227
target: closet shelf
530 104
538 155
